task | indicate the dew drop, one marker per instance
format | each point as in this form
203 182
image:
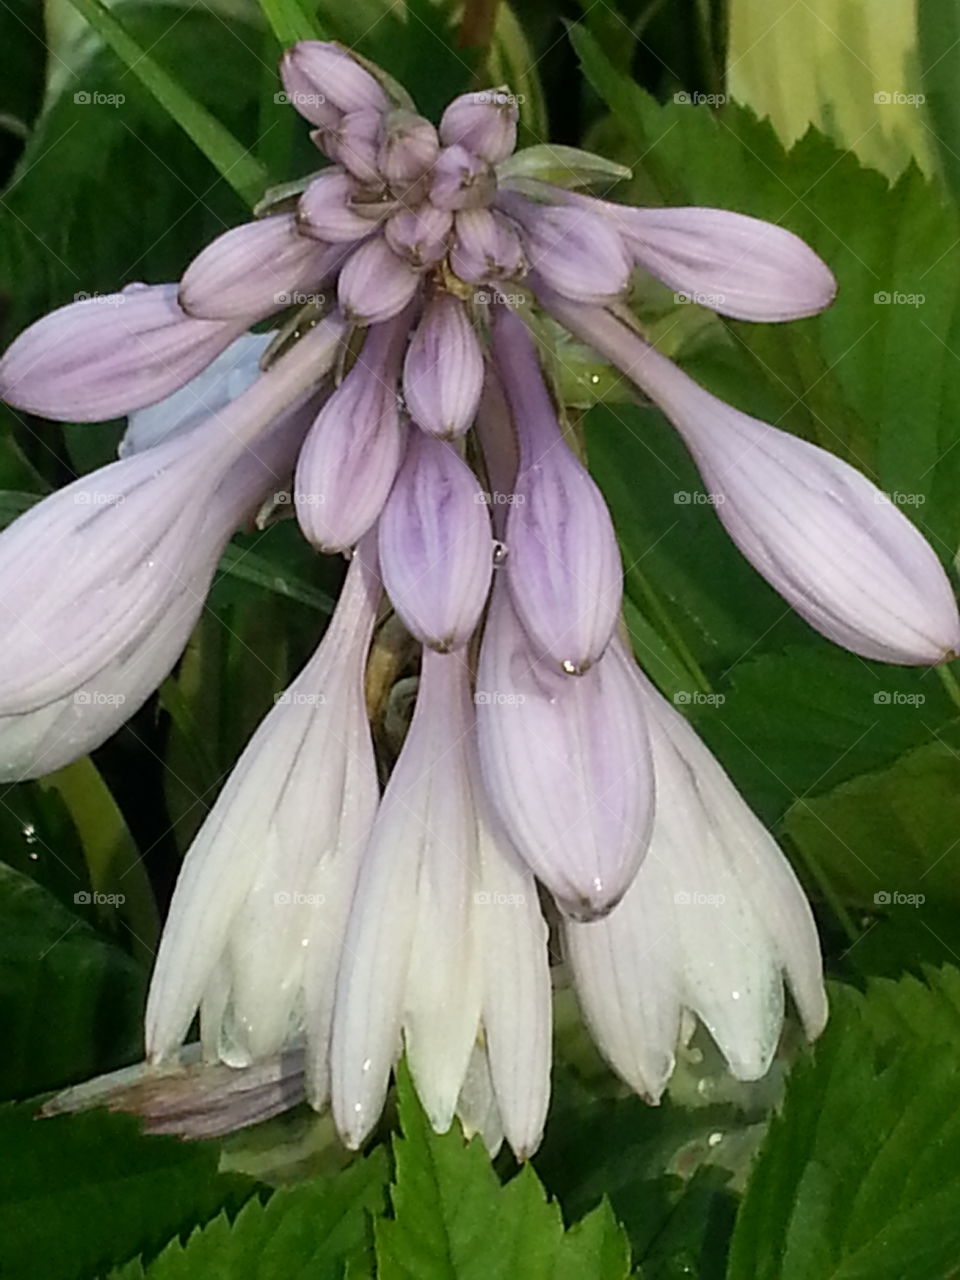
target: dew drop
715 1139
500 552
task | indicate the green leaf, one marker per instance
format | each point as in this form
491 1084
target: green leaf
888 840
234 162
291 20
88 1191
859 1178
72 1001
454 1221
938 30
304 1232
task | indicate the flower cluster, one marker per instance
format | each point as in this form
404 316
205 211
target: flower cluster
540 766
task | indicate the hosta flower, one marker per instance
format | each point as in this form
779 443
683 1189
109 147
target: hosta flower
315 921
712 924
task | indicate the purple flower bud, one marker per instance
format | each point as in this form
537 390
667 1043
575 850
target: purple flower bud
736 265
436 545
350 457
563 563
567 766
323 82
461 180
484 122
443 370
354 143
409 148
576 251
324 210
375 284
486 246
419 235
104 356
822 535
255 269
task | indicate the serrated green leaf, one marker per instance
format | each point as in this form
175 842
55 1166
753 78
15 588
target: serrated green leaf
454 1221
88 1191
234 162
860 1176
304 1232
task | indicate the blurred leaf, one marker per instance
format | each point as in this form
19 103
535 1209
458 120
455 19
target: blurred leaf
306 1232
88 1191
795 724
453 1219
292 20
890 840
70 1000
826 62
939 47
229 157
113 860
859 1178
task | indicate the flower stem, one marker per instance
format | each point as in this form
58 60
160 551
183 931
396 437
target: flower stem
950 683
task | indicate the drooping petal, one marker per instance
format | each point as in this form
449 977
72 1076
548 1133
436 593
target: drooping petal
410 957
485 122
486 247
563 563
323 82
517 995
292 817
822 535
712 922
436 545
419 235
116 546
324 210
477 1105
375 283
461 180
105 356
575 250
255 269
567 766
443 369
734 264
353 451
